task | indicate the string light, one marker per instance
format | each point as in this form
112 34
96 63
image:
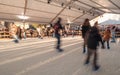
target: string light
49 1
83 12
62 4
69 7
93 14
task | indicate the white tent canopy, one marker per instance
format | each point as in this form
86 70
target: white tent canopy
110 22
47 11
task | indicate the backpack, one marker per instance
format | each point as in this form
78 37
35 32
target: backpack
56 26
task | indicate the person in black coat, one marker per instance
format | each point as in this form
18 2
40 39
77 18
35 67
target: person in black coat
85 29
92 43
19 32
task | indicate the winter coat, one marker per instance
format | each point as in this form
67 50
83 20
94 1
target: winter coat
85 29
107 35
57 27
94 38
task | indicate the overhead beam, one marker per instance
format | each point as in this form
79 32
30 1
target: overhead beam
51 5
25 7
114 4
101 5
81 15
78 17
88 11
26 15
62 10
10 5
31 9
29 21
90 6
22 20
20 14
10 20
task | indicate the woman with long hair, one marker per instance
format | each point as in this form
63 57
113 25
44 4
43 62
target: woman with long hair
85 29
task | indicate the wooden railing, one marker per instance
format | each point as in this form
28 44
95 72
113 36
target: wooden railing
117 34
4 33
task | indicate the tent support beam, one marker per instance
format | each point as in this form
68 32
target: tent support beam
101 6
61 11
91 6
81 15
25 7
114 4
78 17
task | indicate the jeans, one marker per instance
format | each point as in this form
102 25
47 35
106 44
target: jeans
89 54
107 44
58 40
16 38
113 37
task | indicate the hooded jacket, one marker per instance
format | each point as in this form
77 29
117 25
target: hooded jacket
94 38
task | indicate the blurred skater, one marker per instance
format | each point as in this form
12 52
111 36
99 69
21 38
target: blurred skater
113 34
57 27
13 32
85 29
106 37
92 43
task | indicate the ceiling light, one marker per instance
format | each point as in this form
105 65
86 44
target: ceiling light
49 1
62 4
90 12
69 7
78 8
22 17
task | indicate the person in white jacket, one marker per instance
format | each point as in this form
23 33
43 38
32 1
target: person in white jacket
39 29
113 34
13 32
